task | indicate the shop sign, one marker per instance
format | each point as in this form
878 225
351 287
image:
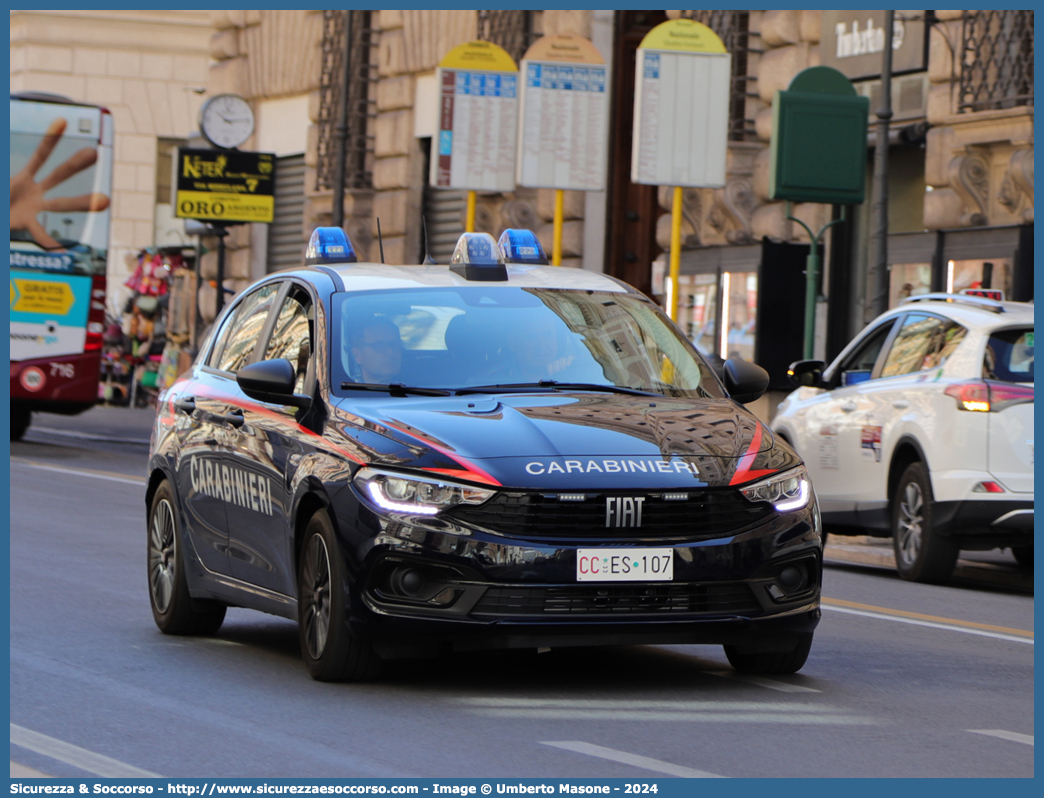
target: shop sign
681 107
564 107
224 185
853 42
477 119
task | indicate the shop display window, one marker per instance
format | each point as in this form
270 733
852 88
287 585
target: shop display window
908 279
739 314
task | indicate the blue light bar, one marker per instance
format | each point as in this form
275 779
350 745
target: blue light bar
329 245
522 246
478 257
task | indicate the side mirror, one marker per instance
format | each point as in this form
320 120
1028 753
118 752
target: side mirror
744 380
272 381
806 373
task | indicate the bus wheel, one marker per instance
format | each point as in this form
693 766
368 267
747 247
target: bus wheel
20 418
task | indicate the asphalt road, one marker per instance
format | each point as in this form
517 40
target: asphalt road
903 679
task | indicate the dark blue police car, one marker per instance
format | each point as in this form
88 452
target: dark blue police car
490 454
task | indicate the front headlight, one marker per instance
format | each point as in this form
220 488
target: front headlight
787 492
413 494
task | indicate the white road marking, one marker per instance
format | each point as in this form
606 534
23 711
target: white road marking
612 703
894 619
25 772
81 758
1015 737
659 716
625 758
761 681
82 473
591 710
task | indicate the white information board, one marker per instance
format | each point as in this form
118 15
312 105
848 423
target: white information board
477 120
681 107
564 108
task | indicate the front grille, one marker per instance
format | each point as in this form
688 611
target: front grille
722 598
703 515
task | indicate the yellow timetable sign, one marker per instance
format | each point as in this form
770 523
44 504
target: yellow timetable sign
212 206
38 296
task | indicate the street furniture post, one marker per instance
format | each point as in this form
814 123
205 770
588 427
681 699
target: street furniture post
676 220
341 131
556 240
220 231
469 216
879 269
811 280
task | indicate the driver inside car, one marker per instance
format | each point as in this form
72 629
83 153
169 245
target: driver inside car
377 348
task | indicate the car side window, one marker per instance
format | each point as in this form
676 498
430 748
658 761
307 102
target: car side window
237 341
292 336
923 342
859 366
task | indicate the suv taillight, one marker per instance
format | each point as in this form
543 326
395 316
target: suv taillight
987 396
96 315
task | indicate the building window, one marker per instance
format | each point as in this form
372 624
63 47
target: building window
997 60
733 28
512 30
361 97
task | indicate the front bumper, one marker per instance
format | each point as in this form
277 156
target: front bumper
479 590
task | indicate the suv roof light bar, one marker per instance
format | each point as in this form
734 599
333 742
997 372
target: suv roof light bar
961 299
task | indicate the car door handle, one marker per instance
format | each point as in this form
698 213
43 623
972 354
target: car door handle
186 405
848 407
234 418
900 404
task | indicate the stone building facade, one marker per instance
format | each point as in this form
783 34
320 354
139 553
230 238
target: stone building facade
150 69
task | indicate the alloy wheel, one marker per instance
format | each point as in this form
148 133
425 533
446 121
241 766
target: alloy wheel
162 555
315 583
911 519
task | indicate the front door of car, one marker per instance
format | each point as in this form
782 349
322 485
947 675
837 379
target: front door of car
271 444
830 427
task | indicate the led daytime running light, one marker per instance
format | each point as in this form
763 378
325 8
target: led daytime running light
786 492
385 503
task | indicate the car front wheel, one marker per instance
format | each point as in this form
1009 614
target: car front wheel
1023 555
175 611
330 651
921 554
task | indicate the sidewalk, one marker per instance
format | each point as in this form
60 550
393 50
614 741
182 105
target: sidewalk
997 566
117 424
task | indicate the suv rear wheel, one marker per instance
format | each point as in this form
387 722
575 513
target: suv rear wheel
921 554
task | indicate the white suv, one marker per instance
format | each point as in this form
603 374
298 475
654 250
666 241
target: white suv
922 429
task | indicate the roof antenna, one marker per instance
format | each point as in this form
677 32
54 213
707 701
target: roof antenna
428 259
380 240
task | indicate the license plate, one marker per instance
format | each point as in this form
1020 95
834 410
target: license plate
624 565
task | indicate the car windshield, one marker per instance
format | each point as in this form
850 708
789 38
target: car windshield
476 338
1009 356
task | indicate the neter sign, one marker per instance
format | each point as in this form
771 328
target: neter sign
224 185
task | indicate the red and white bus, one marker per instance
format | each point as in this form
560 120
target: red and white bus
61 183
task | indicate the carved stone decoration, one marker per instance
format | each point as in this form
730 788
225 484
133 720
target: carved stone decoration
521 213
970 178
733 206
692 210
1017 189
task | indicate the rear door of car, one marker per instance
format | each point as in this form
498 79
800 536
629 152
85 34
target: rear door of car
1008 366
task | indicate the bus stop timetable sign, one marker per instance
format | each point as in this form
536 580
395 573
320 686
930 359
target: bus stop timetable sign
565 115
477 119
681 107
224 185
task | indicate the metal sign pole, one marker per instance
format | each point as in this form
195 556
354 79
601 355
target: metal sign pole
811 280
220 231
469 217
879 268
676 214
556 241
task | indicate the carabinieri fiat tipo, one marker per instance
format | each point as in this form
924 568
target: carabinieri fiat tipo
490 454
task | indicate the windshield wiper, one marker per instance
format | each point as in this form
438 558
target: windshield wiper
394 389
553 385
